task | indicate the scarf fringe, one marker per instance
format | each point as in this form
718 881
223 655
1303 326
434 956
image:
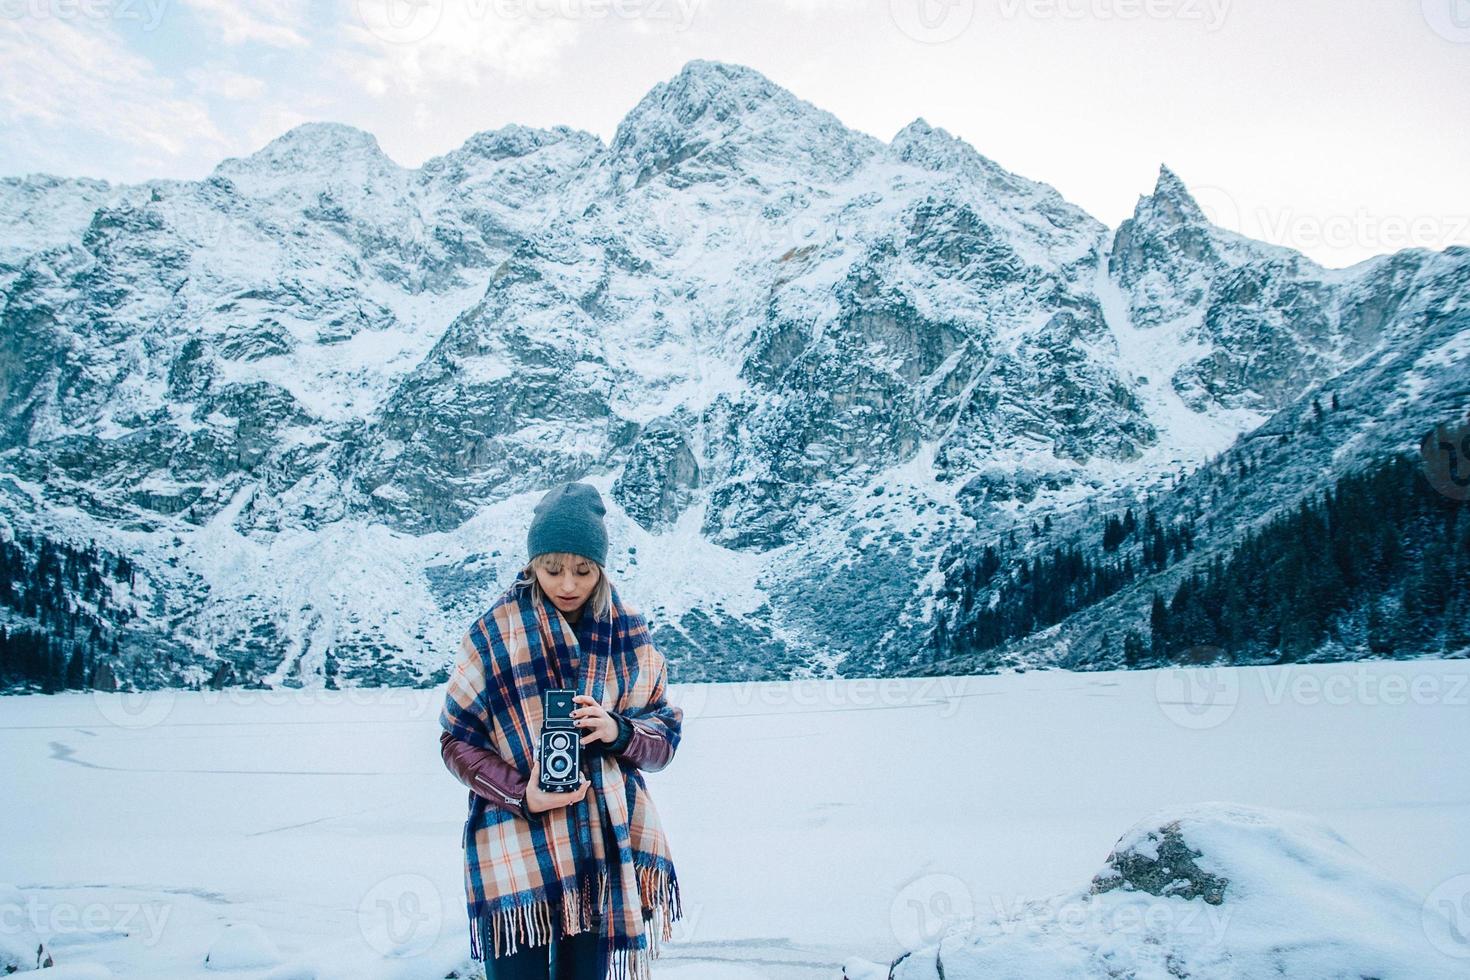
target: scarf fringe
530 923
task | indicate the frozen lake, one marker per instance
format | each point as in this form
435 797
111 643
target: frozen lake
809 822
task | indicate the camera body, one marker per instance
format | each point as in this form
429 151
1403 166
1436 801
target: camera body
560 743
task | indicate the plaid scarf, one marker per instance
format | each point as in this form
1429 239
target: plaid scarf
520 873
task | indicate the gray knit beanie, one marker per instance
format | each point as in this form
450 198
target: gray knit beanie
569 518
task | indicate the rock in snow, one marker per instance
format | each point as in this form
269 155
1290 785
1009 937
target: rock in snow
20 947
1212 890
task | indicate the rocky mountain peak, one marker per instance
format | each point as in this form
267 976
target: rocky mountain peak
706 90
736 115
934 147
515 140
1170 205
311 148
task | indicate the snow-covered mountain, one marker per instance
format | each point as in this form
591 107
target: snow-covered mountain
314 396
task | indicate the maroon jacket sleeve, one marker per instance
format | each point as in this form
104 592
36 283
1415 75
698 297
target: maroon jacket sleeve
491 777
641 746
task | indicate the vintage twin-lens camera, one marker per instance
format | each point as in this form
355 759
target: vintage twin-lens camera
561 743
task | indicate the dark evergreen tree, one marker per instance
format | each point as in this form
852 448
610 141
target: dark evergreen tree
1380 548
1134 652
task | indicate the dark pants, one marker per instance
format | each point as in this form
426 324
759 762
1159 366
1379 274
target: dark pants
578 957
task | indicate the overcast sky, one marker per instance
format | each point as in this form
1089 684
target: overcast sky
1338 127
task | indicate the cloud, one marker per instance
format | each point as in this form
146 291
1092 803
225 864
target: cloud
812 8
430 46
275 23
77 79
225 83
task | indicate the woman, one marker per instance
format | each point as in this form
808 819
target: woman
563 885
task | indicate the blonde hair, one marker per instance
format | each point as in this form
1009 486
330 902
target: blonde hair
599 603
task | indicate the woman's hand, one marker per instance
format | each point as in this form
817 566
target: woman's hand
596 724
594 719
539 801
